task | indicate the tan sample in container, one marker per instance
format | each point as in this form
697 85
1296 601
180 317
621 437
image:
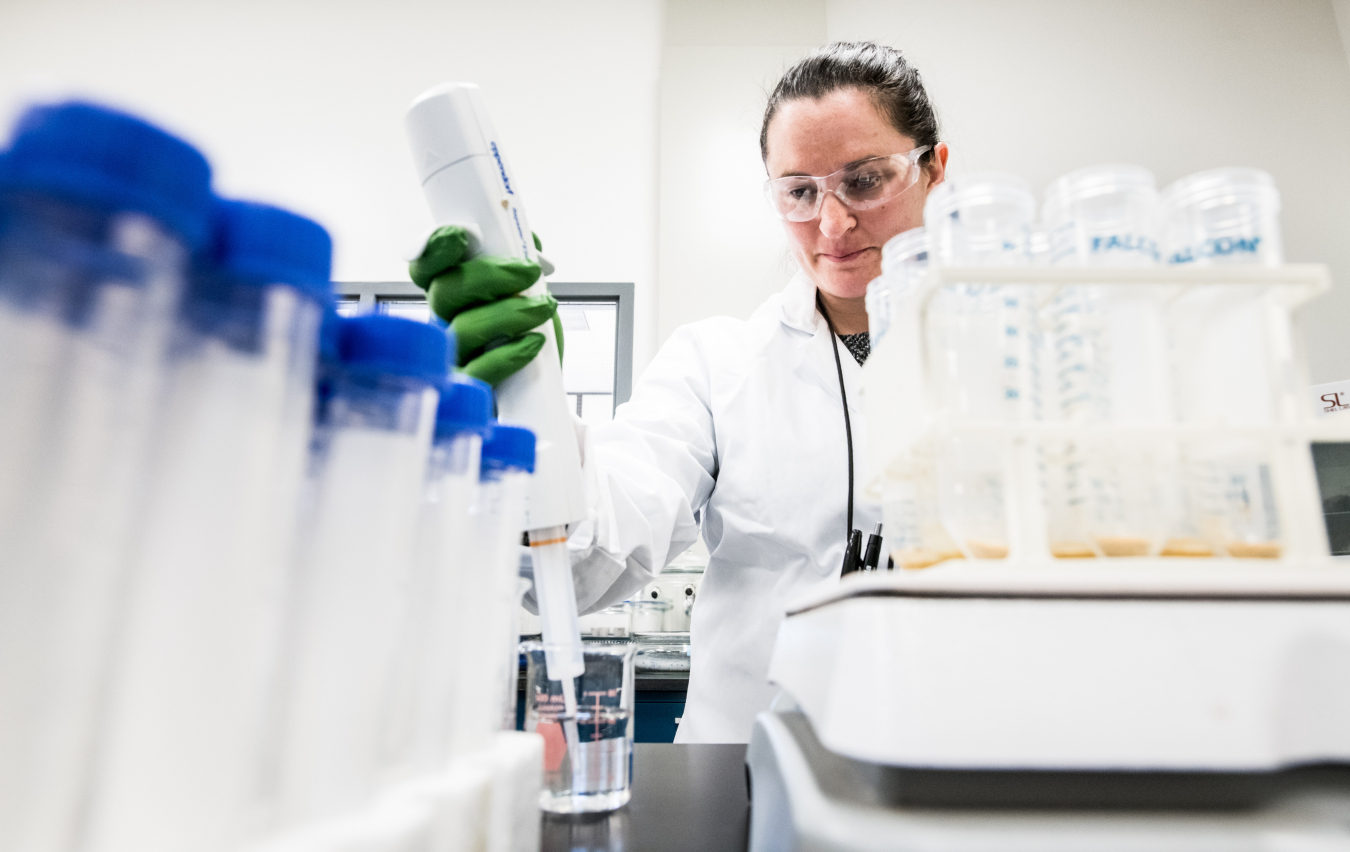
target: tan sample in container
919 557
1187 547
1253 549
1123 545
1071 550
987 549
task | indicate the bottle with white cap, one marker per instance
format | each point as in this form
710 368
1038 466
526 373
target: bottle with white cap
350 595
206 589
99 212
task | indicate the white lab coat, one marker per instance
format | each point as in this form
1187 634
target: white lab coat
739 424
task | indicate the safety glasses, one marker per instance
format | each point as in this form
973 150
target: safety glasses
861 186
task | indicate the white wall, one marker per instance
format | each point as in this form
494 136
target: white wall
300 102
1041 87
1034 87
721 251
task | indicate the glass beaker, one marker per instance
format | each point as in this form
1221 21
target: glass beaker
678 587
594 771
662 652
649 611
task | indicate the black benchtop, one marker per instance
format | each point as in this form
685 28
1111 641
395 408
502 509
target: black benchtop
643 681
686 798
661 681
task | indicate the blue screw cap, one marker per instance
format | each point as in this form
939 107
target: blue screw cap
94 155
508 448
328 335
400 347
466 405
261 244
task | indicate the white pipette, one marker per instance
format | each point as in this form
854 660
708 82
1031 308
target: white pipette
468 181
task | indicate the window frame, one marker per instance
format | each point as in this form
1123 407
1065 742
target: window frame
370 293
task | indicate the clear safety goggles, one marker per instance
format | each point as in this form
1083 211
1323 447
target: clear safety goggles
861 186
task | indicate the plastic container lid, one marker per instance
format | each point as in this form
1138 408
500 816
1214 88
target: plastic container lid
1221 185
1093 181
328 334
905 247
262 244
976 189
466 405
94 155
508 447
396 346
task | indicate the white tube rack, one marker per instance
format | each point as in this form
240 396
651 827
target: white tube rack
906 414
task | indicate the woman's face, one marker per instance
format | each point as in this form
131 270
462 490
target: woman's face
841 248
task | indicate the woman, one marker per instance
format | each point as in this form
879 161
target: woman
738 427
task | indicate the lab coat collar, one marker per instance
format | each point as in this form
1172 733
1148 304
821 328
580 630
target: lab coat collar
799 304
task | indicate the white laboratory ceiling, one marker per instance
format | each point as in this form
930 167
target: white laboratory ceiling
633 123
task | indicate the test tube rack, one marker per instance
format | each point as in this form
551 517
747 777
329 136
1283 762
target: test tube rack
907 417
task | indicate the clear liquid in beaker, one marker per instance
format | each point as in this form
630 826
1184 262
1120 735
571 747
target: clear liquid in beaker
594 773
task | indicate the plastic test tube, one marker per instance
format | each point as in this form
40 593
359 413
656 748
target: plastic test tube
98 213
180 754
445 561
350 595
485 644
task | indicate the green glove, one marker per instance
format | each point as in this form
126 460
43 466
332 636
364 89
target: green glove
479 298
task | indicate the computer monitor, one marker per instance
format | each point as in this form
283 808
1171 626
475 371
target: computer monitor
597 321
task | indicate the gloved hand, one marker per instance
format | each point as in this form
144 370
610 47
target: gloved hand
478 298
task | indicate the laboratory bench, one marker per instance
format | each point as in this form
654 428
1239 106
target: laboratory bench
657 706
686 798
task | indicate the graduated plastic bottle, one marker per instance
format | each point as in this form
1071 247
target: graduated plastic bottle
904 260
350 594
1230 359
98 214
1109 348
181 749
904 263
980 336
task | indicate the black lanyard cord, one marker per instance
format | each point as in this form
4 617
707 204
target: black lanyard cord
848 426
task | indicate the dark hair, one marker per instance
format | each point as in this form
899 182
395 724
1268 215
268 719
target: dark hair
882 72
